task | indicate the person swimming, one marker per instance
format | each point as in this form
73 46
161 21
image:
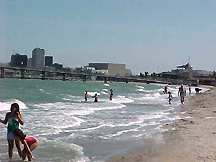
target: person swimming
29 143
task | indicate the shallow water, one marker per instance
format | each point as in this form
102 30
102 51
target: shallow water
71 130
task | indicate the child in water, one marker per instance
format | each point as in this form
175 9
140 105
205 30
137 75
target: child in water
29 143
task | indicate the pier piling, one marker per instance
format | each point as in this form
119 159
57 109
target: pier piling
22 72
43 75
2 72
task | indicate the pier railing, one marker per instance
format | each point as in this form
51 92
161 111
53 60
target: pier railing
44 74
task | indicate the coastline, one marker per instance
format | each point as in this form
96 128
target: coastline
192 138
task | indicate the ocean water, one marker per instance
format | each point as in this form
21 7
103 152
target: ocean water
70 130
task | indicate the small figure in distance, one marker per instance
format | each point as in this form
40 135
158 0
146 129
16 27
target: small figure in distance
165 89
111 94
170 97
29 143
181 93
189 88
96 98
86 96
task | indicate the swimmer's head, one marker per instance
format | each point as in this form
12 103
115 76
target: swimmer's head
14 107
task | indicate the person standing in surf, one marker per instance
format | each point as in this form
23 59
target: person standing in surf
181 93
13 119
96 98
111 94
86 96
170 97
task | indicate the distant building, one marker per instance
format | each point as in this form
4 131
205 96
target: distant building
29 63
48 60
182 72
111 69
18 60
186 72
202 73
57 66
38 56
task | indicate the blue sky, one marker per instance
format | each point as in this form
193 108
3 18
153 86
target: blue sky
147 35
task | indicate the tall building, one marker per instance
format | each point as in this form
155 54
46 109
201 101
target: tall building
38 56
18 60
48 60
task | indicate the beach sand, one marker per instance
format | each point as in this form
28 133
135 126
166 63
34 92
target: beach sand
190 139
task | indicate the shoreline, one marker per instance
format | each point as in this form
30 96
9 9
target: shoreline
189 139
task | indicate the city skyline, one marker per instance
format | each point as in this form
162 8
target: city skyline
147 36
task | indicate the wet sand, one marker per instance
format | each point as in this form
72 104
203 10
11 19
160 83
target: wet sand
190 139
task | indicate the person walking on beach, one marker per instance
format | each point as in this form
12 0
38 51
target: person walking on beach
111 94
13 119
169 97
29 143
181 93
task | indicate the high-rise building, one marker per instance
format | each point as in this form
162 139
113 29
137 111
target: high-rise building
38 56
48 60
18 60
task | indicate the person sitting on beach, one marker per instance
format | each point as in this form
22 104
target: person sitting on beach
111 94
13 119
29 143
96 98
170 97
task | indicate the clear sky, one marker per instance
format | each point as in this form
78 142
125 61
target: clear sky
147 35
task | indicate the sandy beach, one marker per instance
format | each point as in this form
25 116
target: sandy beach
190 139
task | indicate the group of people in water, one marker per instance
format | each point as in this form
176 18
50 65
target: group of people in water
86 95
13 120
181 93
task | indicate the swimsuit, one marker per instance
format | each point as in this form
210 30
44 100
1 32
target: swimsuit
13 124
30 140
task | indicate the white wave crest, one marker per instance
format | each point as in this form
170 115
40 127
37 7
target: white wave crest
5 106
